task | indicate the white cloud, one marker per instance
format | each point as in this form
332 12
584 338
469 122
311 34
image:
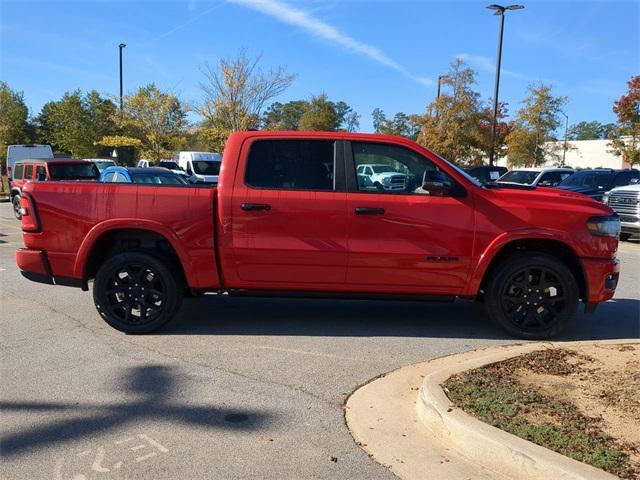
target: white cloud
318 28
488 65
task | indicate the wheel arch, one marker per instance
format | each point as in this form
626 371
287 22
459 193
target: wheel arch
112 237
555 247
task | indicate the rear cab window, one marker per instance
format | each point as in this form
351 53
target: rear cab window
291 165
73 171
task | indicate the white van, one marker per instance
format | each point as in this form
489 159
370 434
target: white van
200 167
16 153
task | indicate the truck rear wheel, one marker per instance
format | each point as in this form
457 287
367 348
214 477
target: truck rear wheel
15 201
532 296
135 292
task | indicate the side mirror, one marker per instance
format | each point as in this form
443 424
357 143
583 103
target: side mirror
438 184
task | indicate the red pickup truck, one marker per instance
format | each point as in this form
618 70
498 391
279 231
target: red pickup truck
292 216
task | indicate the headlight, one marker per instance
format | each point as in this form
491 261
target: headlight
386 180
605 198
604 226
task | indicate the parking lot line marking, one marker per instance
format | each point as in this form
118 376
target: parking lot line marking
137 447
118 442
160 447
304 352
144 457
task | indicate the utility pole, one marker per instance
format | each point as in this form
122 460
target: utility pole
499 10
121 47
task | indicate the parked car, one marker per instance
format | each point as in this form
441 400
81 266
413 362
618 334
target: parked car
152 175
46 170
625 201
200 167
173 166
543 177
485 173
15 153
595 183
281 223
143 164
102 163
381 177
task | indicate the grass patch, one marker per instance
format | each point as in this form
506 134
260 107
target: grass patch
492 394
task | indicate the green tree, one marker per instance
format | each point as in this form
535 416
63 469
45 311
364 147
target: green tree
235 93
284 116
530 141
319 113
76 122
450 124
626 141
590 131
157 118
14 120
401 124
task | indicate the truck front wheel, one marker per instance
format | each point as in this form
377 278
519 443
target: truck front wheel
135 292
532 296
15 201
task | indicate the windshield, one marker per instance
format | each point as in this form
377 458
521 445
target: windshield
157 178
522 177
382 168
588 179
170 165
102 164
73 171
206 167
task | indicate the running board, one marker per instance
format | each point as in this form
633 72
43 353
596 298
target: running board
340 295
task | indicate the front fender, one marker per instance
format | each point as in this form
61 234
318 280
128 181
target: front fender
500 242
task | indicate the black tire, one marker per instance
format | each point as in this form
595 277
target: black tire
624 237
136 292
15 201
532 296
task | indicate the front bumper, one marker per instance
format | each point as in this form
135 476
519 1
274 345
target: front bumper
601 276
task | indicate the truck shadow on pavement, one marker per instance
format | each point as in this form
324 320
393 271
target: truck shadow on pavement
152 388
224 315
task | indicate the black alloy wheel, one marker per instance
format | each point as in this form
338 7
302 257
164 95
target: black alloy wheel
532 296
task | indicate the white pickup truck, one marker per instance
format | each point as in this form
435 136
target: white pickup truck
381 177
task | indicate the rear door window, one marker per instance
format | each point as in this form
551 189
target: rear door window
18 171
291 165
28 172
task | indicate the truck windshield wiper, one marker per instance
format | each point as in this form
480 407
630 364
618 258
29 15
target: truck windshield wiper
516 186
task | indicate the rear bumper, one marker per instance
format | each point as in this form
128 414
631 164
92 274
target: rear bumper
601 275
34 265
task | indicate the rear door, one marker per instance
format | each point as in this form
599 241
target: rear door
289 215
409 241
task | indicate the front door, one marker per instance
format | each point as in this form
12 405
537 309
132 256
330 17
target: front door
403 238
289 216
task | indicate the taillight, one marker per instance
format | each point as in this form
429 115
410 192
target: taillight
30 220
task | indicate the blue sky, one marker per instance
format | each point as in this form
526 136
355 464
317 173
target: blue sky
385 54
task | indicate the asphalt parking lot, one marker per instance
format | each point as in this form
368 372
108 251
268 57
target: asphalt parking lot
235 388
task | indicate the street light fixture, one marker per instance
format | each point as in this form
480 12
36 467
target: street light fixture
499 10
120 47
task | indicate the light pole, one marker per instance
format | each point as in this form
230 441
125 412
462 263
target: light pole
566 129
440 77
499 10
120 47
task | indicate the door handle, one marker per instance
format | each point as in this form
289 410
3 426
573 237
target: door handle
369 211
251 207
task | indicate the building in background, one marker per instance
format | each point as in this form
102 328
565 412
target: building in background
583 154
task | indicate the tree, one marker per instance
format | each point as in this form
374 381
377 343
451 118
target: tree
450 124
590 131
76 122
319 113
402 124
626 141
285 116
484 136
529 143
157 118
14 119
235 94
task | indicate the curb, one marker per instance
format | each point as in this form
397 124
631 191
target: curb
488 446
